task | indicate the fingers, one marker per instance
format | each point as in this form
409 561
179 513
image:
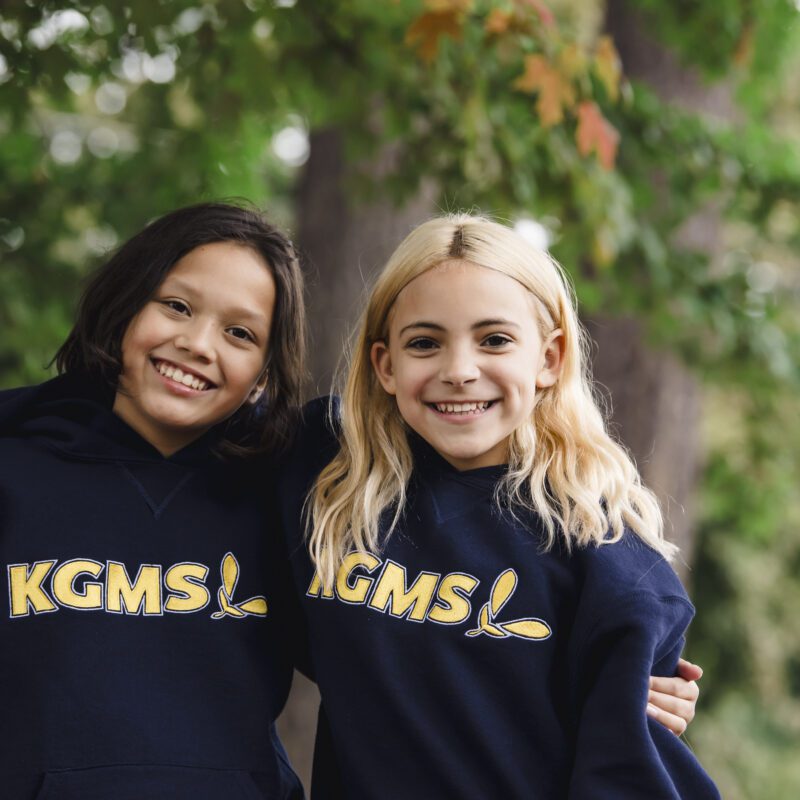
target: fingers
689 671
678 687
672 701
673 723
673 712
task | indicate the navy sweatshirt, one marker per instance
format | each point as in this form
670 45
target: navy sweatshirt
462 662
143 640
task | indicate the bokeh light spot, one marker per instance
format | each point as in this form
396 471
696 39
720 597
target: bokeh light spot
533 232
102 142
110 98
290 145
66 147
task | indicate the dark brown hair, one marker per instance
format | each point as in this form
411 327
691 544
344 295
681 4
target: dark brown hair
122 286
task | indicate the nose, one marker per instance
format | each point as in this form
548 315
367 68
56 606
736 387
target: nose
459 367
197 339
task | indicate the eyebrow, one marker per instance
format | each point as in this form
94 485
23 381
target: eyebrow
238 312
247 314
484 323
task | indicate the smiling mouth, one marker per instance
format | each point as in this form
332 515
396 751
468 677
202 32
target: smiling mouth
184 377
462 409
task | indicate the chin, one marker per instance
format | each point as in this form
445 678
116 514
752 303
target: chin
463 458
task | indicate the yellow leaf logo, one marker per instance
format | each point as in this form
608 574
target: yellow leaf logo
255 606
503 589
525 628
486 626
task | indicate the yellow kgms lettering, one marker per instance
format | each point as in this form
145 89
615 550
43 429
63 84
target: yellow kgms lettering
452 605
25 588
316 588
392 593
64 584
355 592
144 592
186 580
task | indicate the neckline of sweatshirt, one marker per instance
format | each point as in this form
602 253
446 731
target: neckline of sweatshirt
72 415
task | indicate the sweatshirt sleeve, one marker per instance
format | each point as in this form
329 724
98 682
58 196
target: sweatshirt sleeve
620 752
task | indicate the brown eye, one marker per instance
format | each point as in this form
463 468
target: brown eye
241 333
422 343
496 340
178 306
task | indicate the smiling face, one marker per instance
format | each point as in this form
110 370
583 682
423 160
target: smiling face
197 350
464 359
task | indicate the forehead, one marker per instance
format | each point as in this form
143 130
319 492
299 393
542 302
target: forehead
227 273
218 260
461 289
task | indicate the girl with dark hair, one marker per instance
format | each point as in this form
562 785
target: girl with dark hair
146 645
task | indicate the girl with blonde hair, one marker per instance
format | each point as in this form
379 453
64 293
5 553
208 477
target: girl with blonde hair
486 569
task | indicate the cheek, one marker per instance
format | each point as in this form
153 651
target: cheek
131 345
143 333
519 380
245 370
411 380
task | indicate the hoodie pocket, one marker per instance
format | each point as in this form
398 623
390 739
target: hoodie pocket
150 782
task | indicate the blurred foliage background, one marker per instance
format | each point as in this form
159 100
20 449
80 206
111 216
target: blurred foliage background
652 146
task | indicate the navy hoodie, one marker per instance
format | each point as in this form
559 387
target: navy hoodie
463 662
144 635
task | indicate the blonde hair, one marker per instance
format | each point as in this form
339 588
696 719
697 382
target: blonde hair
562 463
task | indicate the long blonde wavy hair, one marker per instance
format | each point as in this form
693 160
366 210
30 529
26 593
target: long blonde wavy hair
562 463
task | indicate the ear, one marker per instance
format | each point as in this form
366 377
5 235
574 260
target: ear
381 360
258 389
552 359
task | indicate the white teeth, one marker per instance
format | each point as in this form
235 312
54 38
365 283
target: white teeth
165 369
179 376
461 408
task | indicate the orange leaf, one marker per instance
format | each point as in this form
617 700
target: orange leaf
596 134
498 21
556 94
608 66
536 67
555 91
744 47
425 31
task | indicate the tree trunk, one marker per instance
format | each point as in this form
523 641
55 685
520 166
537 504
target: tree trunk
655 399
656 410
345 244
